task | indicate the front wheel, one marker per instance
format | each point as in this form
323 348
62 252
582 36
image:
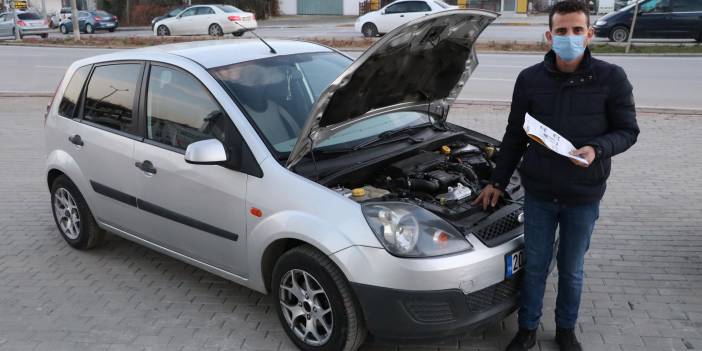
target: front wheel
73 217
111 30
89 29
369 30
315 303
215 30
619 34
163 31
63 29
44 36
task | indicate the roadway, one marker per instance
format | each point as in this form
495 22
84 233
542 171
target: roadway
662 82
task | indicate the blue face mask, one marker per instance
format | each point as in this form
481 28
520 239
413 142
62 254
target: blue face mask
569 47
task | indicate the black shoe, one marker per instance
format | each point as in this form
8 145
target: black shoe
524 340
566 340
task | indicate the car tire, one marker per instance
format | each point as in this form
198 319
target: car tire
619 34
163 31
45 35
89 29
341 327
68 207
111 30
215 30
238 34
369 30
63 29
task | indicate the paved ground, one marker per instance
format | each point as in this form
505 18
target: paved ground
658 81
641 288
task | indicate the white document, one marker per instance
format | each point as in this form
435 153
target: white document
549 138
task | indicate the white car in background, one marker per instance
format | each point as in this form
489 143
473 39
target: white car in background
396 14
215 20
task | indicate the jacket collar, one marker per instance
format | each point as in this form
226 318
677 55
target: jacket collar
584 69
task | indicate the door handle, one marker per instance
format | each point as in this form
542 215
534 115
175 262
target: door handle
76 140
146 166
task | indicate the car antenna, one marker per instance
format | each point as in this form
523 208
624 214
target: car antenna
259 38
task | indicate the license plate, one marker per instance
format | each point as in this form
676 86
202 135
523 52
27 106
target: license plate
514 262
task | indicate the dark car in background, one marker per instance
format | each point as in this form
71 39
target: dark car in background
664 19
90 21
172 13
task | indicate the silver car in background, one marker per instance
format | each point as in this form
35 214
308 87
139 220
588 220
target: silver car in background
335 185
25 23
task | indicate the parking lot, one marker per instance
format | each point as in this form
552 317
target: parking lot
643 273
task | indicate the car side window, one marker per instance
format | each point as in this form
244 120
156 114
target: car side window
205 11
418 6
189 12
67 107
687 6
180 110
397 8
655 6
109 99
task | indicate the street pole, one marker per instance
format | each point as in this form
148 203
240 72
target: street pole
14 21
43 8
126 13
633 26
74 20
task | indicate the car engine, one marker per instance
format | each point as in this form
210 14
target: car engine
443 181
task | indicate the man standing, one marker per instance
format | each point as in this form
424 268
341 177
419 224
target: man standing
589 102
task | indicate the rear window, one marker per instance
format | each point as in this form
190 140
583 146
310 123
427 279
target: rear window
67 107
28 16
228 8
109 100
102 14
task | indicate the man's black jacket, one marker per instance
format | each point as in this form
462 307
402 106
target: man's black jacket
592 106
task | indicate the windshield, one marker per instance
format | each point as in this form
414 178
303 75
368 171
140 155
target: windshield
278 93
442 4
228 8
175 12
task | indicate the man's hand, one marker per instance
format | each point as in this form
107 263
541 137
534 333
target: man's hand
586 152
489 195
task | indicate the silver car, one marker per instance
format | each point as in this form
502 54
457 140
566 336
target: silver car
25 23
335 185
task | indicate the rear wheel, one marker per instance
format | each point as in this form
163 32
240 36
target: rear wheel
73 217
238 34
111 30
45 35
369 30
215 30
163 31
315 303
619 34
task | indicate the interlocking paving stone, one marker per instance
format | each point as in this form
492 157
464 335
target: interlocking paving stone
641 287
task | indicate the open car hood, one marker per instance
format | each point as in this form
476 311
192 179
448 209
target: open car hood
425 61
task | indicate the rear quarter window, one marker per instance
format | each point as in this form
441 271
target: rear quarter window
69 101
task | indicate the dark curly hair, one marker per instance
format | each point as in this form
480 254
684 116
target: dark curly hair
566 7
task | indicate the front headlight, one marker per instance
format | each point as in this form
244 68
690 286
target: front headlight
408 230
600 23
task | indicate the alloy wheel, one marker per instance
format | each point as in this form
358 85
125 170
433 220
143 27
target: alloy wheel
306 307
216 31
67 213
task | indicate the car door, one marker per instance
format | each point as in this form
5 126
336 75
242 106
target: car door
686 18
392 17
4 25
184 23
653 20
417 9
103 142
196 210
205 17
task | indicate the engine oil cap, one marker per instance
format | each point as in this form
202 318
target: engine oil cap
446 150
358 192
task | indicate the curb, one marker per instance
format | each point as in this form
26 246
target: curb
459 102
639 109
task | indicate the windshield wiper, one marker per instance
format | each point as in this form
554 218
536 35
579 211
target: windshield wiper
384 136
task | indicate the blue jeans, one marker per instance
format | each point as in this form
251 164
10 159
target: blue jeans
576 223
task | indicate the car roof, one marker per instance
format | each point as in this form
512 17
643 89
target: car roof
215 53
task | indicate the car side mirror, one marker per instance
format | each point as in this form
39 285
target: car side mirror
206 152
382 12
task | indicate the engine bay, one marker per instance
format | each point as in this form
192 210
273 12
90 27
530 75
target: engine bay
443 180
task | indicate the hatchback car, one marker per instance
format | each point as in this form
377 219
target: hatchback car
337 186
396 14
90 21
666 19
25 23
215 20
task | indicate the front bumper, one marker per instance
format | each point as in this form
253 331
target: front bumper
406 315
602 31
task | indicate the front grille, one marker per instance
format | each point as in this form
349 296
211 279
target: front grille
430 311
482 300
492 234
